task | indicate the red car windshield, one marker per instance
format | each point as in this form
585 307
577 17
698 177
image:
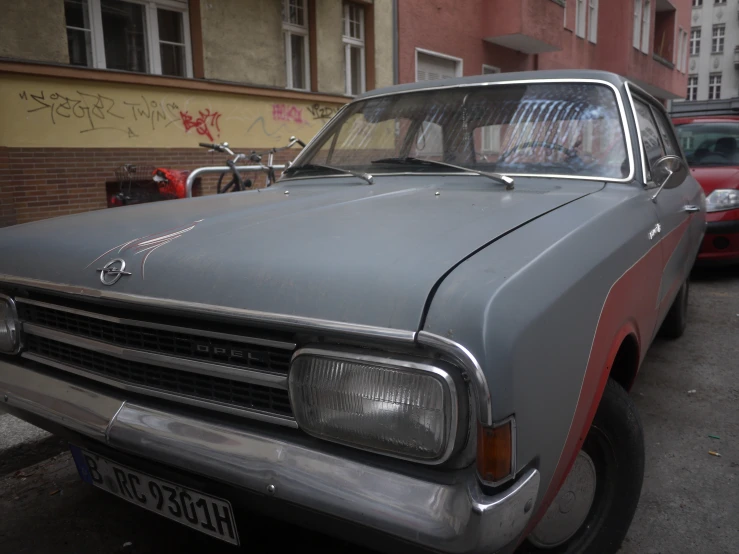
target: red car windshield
714 143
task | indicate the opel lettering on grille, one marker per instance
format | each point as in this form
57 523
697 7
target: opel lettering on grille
223 352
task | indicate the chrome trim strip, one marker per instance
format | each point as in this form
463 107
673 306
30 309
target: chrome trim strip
616 91
182 399
261 318
401 363
454 516
638 133
202 332
463 356
458 174
16 334
251 376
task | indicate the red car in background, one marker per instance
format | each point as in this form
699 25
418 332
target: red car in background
711 144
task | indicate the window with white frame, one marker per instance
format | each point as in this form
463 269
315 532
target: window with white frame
695 41
353 38
580 16
295 27
145 36
684 51
714 87
79 32
637 23
692 88
593 20
697 3
717 42
719 2
646 21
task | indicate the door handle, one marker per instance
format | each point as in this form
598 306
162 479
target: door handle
690 208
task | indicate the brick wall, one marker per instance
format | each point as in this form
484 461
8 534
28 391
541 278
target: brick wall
7 210
38 183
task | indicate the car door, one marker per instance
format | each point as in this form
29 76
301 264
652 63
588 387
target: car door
674 205
691 189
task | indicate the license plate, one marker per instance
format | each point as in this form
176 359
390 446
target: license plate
210 515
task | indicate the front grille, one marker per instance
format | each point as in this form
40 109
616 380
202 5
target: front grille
160 341
201 387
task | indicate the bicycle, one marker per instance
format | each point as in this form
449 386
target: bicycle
133 181
237 182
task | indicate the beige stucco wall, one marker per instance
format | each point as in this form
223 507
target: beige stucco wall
330 47
383 43
33 30
243 41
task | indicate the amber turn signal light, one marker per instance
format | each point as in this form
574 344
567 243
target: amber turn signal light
495 451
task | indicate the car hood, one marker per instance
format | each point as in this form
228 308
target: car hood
716 177
329 249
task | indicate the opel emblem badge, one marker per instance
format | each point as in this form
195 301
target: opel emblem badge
112 271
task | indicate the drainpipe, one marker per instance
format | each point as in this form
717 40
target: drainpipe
395 42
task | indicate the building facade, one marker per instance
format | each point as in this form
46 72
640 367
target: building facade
714 50
142 82
645 40
87 86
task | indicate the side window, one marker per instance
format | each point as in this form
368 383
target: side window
668 136
651 141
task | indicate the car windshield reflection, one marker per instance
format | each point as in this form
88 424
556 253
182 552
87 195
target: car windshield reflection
569 129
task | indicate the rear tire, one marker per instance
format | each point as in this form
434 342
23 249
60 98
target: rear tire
614 448
676 320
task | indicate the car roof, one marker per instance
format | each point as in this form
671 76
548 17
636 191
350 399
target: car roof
565 74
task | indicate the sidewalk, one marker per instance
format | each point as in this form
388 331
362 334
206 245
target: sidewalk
22 444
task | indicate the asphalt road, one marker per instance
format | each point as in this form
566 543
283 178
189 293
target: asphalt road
689 504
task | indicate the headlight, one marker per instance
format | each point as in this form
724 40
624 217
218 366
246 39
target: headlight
400 408
9 332
722 199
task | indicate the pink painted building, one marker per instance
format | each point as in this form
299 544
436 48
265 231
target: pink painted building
644 40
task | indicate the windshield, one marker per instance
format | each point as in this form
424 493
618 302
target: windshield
710 143
540 129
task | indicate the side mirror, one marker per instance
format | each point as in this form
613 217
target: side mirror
669 172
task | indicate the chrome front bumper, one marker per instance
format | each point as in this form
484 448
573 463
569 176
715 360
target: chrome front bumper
456 518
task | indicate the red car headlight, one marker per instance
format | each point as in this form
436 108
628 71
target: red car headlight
722 199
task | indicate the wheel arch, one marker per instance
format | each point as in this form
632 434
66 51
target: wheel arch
625 364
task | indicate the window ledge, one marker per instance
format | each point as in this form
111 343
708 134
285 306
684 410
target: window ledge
560 2
8 65
663 61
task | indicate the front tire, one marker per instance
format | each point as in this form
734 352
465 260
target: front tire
594 508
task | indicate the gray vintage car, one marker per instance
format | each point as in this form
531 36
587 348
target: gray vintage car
424 334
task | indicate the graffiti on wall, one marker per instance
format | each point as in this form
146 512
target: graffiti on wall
103 113
284 112
205 124
319 111
58 112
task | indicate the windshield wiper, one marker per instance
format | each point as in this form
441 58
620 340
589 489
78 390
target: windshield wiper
364 176
504 179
